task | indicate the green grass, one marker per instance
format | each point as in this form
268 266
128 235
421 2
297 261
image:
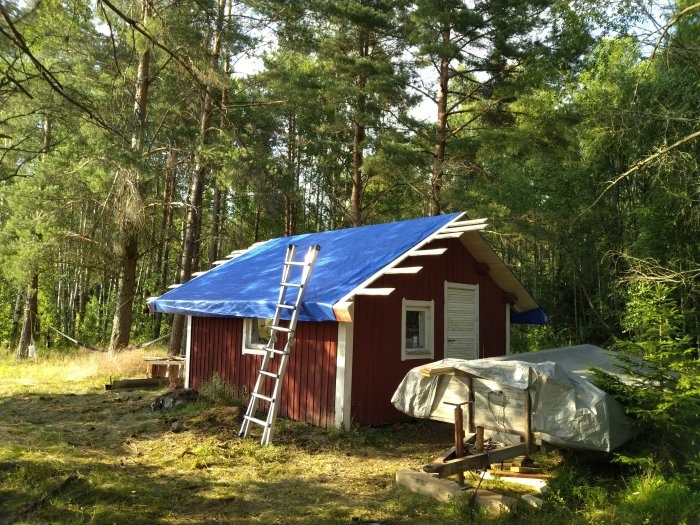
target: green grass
71 452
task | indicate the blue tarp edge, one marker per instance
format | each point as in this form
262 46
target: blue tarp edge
535 316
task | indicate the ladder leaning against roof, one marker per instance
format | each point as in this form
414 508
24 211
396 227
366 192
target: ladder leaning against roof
267 374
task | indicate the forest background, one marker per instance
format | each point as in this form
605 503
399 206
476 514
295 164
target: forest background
138 145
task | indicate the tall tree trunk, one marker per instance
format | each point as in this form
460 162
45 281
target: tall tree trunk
129 253
436 179
215 223
193 216
357 158
30 322
16 318
163 261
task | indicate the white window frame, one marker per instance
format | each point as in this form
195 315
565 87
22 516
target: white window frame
428 352
246 345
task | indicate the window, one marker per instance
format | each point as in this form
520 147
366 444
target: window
256 334
417 330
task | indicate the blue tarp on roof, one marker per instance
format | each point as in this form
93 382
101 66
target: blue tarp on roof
248 286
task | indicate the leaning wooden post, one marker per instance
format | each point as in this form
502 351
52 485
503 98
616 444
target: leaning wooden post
470 408
459 435
528 422
479 447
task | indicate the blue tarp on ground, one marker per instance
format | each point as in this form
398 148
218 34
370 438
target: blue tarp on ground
248 286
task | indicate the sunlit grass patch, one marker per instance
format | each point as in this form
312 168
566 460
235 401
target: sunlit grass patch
71 452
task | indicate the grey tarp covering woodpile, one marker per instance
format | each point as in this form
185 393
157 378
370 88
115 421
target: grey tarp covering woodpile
567 409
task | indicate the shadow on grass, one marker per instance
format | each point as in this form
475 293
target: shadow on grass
43 492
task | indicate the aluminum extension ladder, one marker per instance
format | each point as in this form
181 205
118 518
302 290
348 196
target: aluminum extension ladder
267 374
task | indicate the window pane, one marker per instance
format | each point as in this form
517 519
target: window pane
415 329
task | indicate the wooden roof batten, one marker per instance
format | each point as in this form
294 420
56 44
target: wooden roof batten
453 229
230 257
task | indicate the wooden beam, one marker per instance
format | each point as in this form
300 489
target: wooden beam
403 270
432 371
509 298
440 236
474 461
463 229
173 286
433 251
528 422
219 263
375 291
469 222
343 312
482 268
197 274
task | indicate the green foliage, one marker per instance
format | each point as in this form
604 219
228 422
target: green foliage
222 392
661 383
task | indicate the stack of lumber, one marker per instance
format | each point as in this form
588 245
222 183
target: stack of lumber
519 467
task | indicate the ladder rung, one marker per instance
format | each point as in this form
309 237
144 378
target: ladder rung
296 263
260 396
287 306
293 285
269 374
256 420
275 351
281 329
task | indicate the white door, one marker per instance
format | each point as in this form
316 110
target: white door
461 320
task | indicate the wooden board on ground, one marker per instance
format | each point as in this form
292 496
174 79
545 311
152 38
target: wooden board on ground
135 384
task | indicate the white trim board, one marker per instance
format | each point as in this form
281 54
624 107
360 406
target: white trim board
343 376
188 348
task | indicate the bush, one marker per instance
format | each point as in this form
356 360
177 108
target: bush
221 392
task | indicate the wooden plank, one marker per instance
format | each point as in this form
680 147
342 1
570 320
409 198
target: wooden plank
474 461
343 312
375 291
133 384
511 474
421 483
451 235
528 422
432 251
466 228
526 470
437 370
403 270
469 222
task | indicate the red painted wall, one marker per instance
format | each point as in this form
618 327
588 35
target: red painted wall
377 365
308 388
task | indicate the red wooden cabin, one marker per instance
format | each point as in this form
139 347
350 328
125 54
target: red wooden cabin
382 300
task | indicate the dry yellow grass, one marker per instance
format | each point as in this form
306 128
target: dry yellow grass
80 371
